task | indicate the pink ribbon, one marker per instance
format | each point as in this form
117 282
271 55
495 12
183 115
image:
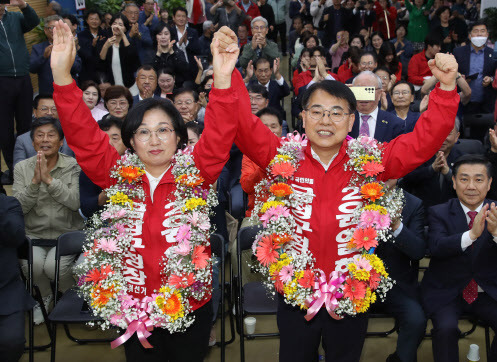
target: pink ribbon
295 136
141 326
325 292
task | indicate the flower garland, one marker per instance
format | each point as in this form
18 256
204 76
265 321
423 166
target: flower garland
292 272
187 265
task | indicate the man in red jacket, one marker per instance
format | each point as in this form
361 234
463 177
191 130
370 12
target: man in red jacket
322 223
252 11
418 69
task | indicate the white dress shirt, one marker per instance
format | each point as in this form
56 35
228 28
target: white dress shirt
154 181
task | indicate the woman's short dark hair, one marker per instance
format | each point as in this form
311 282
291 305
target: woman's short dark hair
38 122
307 38
377 33
358 36
333 88
123 18
195 128
411 87
441 9
157 30
204 82
135 118
270 111
89 83
108 121
168 71
385 69
402 25
387 48
118 91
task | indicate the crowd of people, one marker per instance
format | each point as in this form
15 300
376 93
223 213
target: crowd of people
144 59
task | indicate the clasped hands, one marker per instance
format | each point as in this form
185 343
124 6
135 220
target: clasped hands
487 213
225 51
42 174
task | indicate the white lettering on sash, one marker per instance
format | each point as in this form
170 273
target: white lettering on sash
302 215
171 222
138 212
345 219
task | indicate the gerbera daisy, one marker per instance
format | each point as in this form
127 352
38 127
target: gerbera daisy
266 251
354 289
372 191
280 189
365 238
371 168
284 169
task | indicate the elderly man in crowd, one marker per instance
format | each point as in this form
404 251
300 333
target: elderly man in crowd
260 46
139 34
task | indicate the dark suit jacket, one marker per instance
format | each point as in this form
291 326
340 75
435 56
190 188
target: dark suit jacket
409 245
276 93
451 269
387 128
129 63
462 55
13 294
136 99
89 55
410 121
88 196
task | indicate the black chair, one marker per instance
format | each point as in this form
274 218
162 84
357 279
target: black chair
69 309
237 202
478 124
252 297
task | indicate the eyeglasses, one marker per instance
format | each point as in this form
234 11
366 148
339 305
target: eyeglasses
144 134
366 63
47 109
259 28
180 103
398 93
385 77
336 114
115 104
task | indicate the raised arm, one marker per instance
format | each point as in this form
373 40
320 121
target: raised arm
91 145
408 151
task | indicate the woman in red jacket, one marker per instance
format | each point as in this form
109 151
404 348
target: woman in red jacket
386 15
154 131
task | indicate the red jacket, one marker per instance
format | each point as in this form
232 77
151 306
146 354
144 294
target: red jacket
251 176
253 11
381 26
304 78
322 224
418 69
344 72
96 157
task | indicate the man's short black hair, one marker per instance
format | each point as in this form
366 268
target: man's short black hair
258 89
89 12
472 159
184 90
477 23
38 122
262 60
373 54
39 97
333 88
180 8
270 111
411 86
108 121
319 49
145 67
71 18
433 39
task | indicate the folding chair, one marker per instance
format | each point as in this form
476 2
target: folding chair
252 297
69 308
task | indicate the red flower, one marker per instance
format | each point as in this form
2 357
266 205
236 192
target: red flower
96 276
374 279
284 169
365 238
280 189
266 251
130 173
371 168
199 257
307 280
181 281
354 289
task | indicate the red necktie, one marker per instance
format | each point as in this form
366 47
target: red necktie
470 293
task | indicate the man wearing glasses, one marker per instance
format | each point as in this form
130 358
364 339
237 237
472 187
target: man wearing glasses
328 117
260 46
370 120
39 61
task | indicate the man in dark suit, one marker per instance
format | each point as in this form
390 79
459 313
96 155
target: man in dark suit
403 300
369 119
277 88
462 275
476 59
146 81
15 299
432 181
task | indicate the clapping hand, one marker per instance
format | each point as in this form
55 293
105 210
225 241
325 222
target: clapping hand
225 53
492 135
479 223
492 219
444 68
63 54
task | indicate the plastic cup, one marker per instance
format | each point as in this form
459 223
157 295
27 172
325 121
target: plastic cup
250 325
474 353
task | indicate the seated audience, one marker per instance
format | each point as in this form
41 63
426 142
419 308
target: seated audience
226 13
294 34
118 101
418 70
403 48
118 54
369 119
47 187
316 72
377 41
91 96
205 40
138 34
242 34
461 276
186 102
338 49
453 30
88 41
251 11
146 81
387 81
306 41
39 60
147 16
15 298
350 68
260 46
386 16
194 131
388 58
402 96
43 106
166 82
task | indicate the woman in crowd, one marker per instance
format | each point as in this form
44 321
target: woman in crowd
402 96
377 40
387 81
169 56
106 18
303 65
403 48
386 16
194 131
103 84
357 40
166 81
307 40
118 101
88 41
118 54
91 96
203 97
338 49
418 27
453 31
388 58
367 39
153 131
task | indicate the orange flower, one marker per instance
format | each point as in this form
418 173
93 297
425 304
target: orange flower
284 169
195 180
96 276
365 238
101 296
130 173
280 189
371 168
372 191
281 239
172 306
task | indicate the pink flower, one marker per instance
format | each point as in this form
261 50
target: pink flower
362 264
184 233
199 257
120 229
116 215
127 301
286 273
107 245
199 221
115 319
181 281
367 218
266 251
273 213
183 248
382 221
